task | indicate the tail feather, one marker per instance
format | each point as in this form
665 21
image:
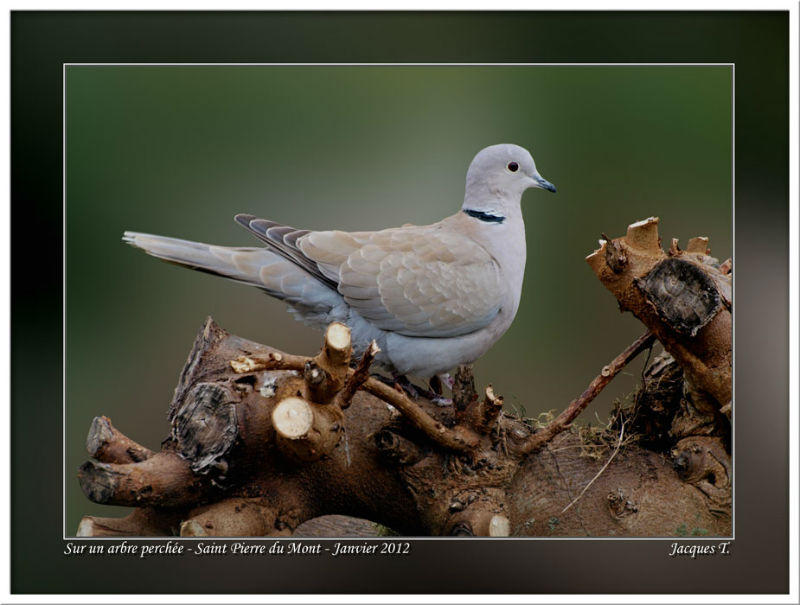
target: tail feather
311 299
194 255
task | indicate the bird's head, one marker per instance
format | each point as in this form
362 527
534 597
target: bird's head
502 172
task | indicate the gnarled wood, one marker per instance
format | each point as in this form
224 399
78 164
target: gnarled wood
683 297
106 444
383 467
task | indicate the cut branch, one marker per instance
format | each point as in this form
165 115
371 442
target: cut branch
480 523
326 373
106 444
165 479
464 395
488 411
684 297
306 431
141 522
396 448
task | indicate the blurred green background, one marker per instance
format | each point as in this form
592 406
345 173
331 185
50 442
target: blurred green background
179 150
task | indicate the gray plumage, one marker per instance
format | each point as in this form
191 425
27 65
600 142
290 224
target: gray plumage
432 296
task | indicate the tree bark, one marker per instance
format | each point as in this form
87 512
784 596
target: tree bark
683 296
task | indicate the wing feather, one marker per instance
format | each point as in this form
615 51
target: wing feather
282 240
418 281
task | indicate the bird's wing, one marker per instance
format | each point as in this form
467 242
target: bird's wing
417 281
282 240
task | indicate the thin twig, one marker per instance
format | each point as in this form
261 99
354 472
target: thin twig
600 472
358 377
563 421
458 438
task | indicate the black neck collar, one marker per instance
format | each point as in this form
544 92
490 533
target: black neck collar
484 216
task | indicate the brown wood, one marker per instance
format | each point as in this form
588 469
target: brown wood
683 297
383 467
106 444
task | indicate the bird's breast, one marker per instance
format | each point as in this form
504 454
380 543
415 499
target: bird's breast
507 247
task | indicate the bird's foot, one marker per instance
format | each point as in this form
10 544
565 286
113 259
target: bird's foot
437 382
399 383
384 379
446 380
403 384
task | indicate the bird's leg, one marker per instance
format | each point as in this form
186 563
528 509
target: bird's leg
402 382
436 383
446 380
384 379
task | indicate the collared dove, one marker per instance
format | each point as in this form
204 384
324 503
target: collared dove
432 296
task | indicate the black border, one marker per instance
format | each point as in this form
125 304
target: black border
756 42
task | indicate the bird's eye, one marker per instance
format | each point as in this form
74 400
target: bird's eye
513 166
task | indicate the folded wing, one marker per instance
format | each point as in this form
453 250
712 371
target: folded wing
417 281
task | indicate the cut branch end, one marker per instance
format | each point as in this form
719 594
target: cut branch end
292 418
644 235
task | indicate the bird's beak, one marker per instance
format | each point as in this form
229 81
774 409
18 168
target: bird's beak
541 183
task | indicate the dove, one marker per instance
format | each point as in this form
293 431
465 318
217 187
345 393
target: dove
432 296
